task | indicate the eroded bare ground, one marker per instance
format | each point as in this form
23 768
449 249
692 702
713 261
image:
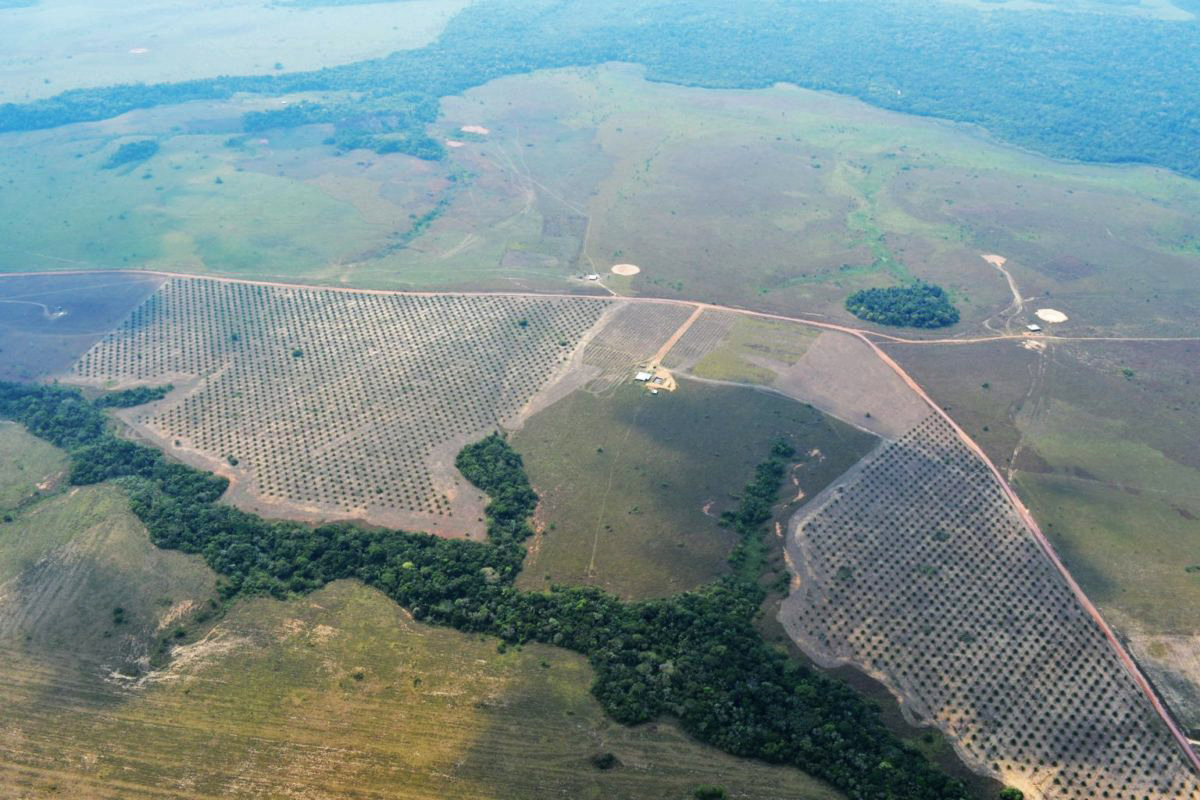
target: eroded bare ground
323 404
917 569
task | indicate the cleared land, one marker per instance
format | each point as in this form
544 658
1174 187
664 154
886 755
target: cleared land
33 466
1099 438
633 485
48 321
832 371
918 569
338 694
339 404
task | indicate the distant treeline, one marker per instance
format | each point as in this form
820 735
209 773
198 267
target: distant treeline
394 125
1086 86
131 153
695 657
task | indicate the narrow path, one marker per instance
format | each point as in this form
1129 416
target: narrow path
674 338
1018 303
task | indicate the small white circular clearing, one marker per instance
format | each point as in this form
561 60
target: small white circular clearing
1050 315
138 51
626 269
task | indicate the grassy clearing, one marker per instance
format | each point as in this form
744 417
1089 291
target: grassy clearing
32 466
340 694
1130 550
754 350
632 484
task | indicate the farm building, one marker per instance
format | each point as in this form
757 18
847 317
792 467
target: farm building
642 377
1034 328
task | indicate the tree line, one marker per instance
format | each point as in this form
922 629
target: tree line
1092 87
696 656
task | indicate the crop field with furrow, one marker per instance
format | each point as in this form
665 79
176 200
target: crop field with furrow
918 570
339 404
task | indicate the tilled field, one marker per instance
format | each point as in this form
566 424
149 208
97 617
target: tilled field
918 569
632 336
329 403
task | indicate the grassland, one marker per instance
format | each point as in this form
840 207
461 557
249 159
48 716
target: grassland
633 485
780 199
918 570
33 466
338 694
342 695
753 351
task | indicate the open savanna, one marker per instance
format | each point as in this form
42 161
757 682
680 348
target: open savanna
336 694
50 46
633 485
787 199
781 199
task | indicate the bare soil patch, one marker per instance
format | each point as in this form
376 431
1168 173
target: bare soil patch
841 376
626 270
1051 315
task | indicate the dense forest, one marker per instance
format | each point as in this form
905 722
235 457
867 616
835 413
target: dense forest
696 657
1085 86
921 305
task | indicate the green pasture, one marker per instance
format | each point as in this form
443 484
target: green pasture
633 484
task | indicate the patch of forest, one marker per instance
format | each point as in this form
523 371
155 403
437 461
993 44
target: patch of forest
921 305
696 657
1084 86
132 153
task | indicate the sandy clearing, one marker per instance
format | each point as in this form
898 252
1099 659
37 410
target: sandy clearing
454 143
995 260
841 376
477 129
1050 315
138 51
626 269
